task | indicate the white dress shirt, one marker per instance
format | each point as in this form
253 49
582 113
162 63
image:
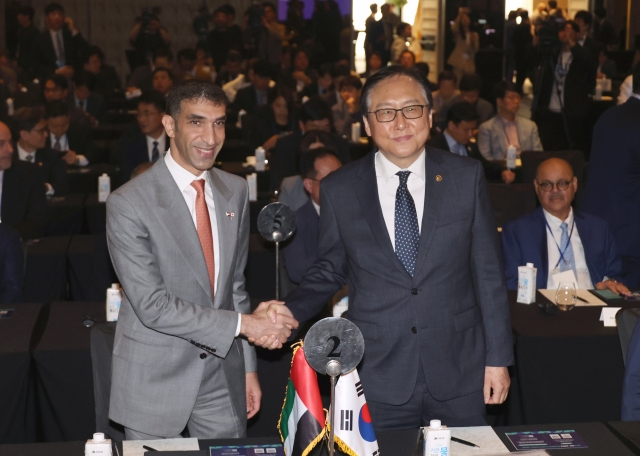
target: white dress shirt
161 145
557 100
183 179
584 279
316 206
54 38
388 184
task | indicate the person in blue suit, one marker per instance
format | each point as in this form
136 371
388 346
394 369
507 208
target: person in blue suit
613 189
11 265
631 384
301 252
555 238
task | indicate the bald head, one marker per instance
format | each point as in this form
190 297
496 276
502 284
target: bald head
556 186
6 147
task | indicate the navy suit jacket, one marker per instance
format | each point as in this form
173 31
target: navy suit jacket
613 188
11 265
524 240
134 152
302 251
631 384
79 140
451 317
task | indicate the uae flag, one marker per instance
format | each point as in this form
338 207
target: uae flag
302 421
354 433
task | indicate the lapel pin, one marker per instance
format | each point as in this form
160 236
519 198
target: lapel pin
438 178
230 215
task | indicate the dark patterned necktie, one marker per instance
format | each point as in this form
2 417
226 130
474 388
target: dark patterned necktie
155 153
407 231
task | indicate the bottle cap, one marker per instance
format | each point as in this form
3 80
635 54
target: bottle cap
115 286
98 437
435 424
529 265
104 175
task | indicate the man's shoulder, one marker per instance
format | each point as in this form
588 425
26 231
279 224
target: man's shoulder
232 181
521 226
488 124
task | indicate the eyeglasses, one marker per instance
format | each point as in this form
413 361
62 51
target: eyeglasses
389 114
547 186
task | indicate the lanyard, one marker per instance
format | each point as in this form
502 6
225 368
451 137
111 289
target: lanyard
504 128
561 251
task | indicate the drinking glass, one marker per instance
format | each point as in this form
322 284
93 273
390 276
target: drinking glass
566 296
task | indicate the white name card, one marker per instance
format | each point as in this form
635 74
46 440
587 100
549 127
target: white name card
608 315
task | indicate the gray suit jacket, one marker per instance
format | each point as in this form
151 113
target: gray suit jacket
492 141
451 317
168 318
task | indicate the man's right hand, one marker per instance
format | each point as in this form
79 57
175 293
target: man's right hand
269 325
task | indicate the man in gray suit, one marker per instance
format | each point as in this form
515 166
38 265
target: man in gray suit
178 237
410 229
507 128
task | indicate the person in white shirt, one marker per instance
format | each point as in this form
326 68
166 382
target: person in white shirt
557 239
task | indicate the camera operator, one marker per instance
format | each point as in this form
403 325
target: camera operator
148 34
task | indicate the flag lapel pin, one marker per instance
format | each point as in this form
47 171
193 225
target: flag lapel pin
230 215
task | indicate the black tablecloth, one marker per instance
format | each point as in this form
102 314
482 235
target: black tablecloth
568 367
45 274
85 179
628 432
64 215
64 381
90 268
15 360
95 215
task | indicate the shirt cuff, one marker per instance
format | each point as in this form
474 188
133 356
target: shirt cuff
239 323
50 190
81 160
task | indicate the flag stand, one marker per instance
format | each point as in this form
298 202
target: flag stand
334 369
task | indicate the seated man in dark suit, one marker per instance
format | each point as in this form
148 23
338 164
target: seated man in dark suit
103 79
31 129
323 85
631 385
22 200
151 142
58 49
162 80
92 104
249 98
141 76
66 136
470 86
462 121
301 252
57 88
315 114
11 265
555 238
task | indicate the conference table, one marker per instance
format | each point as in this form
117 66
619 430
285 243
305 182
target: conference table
601 439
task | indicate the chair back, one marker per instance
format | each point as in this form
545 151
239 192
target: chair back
511 201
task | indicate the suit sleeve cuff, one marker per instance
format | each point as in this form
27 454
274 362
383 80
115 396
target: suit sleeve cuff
239 324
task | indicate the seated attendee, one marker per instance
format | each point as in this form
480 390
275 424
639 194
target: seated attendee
347 112
426 69
470 86
273 120
204 68
462 120
631 385
103 79
249 98
31 131
301 252
57 88
444 97
315 114
301 73
91 103
65 136
403 33
338 73
162 80
186 68
606 66
324 83
141 77
374 64
555 238
151 142
22 199
11 265
507 129
407 59
231 69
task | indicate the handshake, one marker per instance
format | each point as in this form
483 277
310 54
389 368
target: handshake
269 326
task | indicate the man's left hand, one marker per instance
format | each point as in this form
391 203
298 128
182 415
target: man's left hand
496 384
508 176
614 286
70 157
254 394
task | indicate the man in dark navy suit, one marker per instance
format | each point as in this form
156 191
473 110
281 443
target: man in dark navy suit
613 189
31 131
555 238
410 229
151 142
70 139
11 265
301 252
22 200
631 385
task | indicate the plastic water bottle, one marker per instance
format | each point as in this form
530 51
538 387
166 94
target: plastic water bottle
114 300
512 155
104 187
98 446
260 159
437 439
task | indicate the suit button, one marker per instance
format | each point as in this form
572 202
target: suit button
414 291
414 330
213 350
203 355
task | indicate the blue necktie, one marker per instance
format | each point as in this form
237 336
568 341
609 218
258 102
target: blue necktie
407 232
155 153
568 261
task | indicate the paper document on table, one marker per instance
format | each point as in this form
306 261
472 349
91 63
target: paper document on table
483 436
592 300
134 447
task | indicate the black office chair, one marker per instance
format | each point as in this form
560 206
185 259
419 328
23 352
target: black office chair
626 320
511 201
